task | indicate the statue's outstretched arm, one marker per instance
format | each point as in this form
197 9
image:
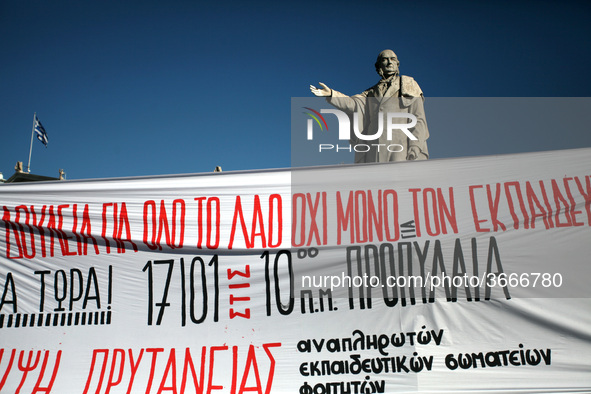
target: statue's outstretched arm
325 91
338 99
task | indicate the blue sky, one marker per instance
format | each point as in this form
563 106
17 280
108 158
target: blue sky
128 88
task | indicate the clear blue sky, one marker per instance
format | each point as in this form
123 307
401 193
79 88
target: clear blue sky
128 88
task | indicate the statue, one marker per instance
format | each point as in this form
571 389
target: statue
393 93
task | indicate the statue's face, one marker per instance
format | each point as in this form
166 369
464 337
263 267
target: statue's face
388 63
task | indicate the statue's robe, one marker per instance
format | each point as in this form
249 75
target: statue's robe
397 94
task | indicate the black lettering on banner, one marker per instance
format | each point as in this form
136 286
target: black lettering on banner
281 308
76 298
407 272
198 279
163 304
322 294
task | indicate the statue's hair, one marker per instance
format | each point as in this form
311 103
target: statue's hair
378 60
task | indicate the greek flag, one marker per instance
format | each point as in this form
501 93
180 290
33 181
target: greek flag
40 131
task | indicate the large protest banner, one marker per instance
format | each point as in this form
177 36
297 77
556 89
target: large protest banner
458 275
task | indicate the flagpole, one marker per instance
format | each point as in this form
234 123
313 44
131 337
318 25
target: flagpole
31 148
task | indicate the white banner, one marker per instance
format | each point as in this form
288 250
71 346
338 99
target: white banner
461 275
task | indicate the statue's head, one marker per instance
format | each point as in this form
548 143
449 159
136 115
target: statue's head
387 63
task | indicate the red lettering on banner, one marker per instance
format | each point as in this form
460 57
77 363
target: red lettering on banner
26 368
86 230
28 232
200 220
212 222
238 215
163 225
22 233
560 200
437 212
571 199
39 226
52 230
361 216
23 237
75 229
493 206
123 224
234 369
160 225
250 374
534 205
134 367
275 208
415 204
120 223
216 243
11 228
375 219
150 206
586 193
170 366
198 384
95 352
294 219
210 385
154 352
56 365
307 205
562 213
433 229
8 368
547 204
393 214
447 211
345 218
104 228
511 204
30 366
360 230
266 347
258 223
251 360
365 218
111 382
177 205
64 239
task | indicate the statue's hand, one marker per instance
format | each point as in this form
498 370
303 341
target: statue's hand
324 92
413 153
